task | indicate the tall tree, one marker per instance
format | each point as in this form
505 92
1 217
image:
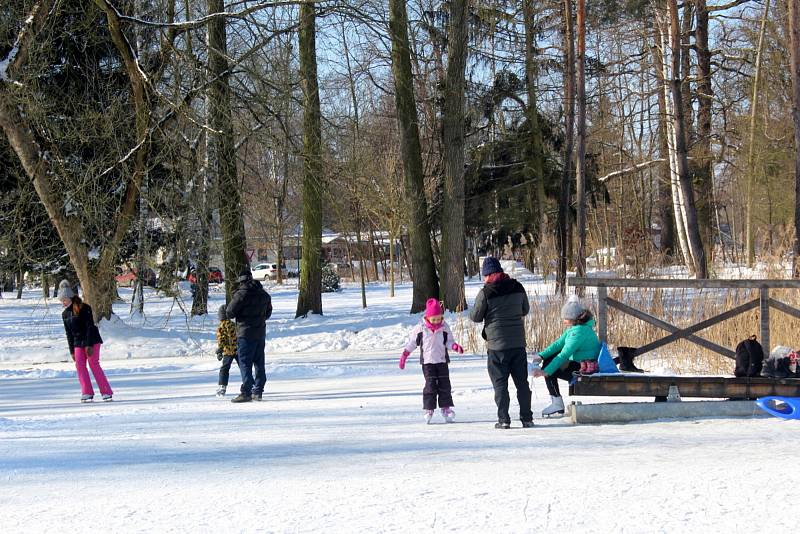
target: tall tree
750 245
423 268
536 160
704 166
452 263
563 218
794 46
222 156
309 298
39 37
694 240
580 165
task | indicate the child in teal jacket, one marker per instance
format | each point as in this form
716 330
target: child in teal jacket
575 350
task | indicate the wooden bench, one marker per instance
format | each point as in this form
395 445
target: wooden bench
644 385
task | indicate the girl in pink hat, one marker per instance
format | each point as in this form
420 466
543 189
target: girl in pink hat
433 337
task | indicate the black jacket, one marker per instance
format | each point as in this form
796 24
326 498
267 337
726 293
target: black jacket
251 306
81 330
502 308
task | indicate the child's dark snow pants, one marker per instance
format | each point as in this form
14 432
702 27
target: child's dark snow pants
225 369
565 373
437 384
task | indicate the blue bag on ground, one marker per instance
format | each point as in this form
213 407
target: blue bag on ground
605 362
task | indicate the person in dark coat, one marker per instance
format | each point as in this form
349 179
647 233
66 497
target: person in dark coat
250 306
501 305
84 342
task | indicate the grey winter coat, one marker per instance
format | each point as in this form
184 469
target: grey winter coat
250 306
502 307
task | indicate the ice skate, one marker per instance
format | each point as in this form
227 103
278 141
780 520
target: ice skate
556 408
448 414
428 416
87 398
221 391
107 398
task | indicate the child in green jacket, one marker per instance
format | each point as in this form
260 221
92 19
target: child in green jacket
575 350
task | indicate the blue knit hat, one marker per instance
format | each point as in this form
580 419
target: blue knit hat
491 265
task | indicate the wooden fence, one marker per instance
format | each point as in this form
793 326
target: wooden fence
764 302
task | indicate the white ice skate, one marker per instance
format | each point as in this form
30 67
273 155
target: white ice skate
449 415
87 398
221 391
428 416
556 408
107 398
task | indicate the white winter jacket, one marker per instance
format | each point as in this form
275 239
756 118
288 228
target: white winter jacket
434 344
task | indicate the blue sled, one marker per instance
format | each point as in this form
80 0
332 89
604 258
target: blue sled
785 407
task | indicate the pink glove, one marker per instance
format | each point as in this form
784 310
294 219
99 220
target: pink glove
403 359
458 348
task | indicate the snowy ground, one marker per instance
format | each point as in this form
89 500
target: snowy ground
338 445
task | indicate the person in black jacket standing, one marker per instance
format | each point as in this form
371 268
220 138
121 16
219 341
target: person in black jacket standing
250 306
501 305
84 342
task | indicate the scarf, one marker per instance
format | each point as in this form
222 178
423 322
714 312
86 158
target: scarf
495 277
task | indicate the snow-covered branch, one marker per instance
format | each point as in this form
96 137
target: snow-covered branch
637 167
202 21
19 51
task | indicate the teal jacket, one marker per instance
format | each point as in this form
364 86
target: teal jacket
577 343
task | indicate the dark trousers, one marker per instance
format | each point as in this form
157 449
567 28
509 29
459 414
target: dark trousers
225 369
251 354
565 373
501 364
437 384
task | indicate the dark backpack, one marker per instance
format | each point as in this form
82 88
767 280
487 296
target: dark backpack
749 358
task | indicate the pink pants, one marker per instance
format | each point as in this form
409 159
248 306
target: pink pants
97 371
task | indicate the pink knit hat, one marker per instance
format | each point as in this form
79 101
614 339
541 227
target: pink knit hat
433 308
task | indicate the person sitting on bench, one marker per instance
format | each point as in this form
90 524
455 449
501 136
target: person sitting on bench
575 350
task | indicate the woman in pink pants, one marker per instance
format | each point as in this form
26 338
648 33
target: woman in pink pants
84 342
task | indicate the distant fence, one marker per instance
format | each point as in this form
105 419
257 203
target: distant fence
764 302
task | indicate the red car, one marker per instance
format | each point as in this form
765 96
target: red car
129 277
214 276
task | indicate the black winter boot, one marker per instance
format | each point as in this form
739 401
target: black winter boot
625 360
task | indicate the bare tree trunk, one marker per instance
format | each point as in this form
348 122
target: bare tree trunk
310 295
794 45
392 240
361 272
569 102
426 284
704 164
694 240
580 169
452 249
667 105
751 166
230 207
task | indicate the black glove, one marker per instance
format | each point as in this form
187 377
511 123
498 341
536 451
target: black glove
219 353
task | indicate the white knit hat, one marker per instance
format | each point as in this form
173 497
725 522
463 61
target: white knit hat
572 309
65 290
